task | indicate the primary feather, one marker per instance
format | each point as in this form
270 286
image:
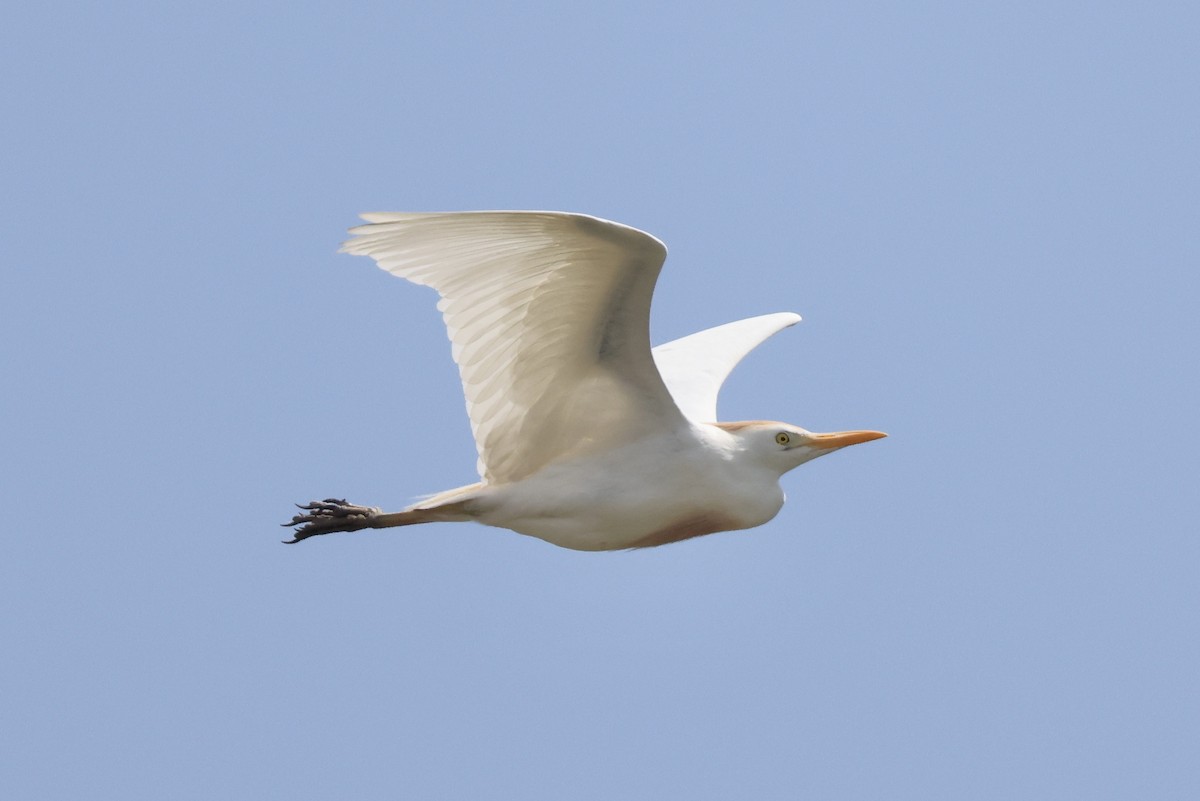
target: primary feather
548 314
694 367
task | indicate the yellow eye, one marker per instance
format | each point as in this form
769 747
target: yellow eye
782 438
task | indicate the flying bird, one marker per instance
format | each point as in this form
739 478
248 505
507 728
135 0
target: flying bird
587 437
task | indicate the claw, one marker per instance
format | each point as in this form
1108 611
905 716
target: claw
326 517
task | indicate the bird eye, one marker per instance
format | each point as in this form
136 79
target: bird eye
782 438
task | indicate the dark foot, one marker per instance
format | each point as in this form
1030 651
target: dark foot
328 516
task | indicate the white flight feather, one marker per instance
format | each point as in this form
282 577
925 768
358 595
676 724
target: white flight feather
694 367
548 316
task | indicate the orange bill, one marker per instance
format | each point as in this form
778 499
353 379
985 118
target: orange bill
840 439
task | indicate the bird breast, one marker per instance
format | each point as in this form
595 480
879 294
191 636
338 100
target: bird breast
652 492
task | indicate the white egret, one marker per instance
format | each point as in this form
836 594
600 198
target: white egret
587 438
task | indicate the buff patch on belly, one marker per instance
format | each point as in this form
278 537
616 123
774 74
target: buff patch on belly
685 529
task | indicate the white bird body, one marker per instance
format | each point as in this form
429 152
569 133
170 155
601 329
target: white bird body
587 439
604 501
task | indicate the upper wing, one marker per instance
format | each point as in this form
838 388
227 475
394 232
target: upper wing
549 316
695 367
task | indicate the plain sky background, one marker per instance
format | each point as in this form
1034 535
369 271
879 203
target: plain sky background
988 214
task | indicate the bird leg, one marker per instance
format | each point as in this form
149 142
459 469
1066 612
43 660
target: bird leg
334 514
329 516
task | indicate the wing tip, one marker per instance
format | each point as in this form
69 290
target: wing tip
355 245
781 320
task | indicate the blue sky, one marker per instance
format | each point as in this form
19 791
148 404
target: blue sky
987 215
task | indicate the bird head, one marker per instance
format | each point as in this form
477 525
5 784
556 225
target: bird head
783 447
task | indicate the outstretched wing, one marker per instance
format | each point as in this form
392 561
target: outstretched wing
694 367
548 314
